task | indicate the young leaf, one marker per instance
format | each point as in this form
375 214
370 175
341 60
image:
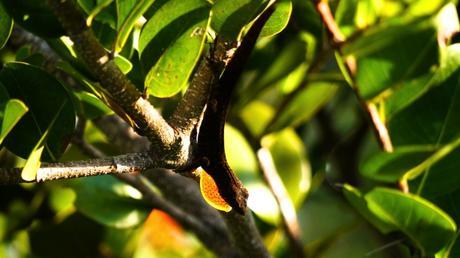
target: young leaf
127 25
29 172
14 111
211 193
6 26
171 42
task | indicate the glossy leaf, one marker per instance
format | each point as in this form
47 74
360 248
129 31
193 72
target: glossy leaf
91 106
171 43
14 111
29 172
110 202
429 228
127 25
44 96
278 20
230 16
6 26
35 16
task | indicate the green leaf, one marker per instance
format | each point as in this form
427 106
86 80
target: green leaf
230 16
356 199
14 111
35 16
388 57
304 105
110 202
171 43
29 172
430 228
256 116
6 26
96 10
123 63
92 107
391 166
278 20
124 30
288 152
44 96
124 8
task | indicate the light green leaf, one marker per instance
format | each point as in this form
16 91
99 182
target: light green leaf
96 10
6 26
171 43
14 111
128 24
278 20
29 172
123 63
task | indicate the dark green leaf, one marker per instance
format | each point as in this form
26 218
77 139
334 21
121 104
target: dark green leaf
92 107
6 25
110 202
171 42
44 96
35 16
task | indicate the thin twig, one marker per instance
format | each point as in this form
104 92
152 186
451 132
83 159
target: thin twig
338 39
128 163
287 209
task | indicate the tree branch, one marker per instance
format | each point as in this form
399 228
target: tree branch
287 209
338 39
148 121
128 163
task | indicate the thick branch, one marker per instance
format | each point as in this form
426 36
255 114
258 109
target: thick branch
128 163
337 37
148 121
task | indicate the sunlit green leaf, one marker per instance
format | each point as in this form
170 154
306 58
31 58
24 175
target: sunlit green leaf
278 20
171 42
14 111
230 16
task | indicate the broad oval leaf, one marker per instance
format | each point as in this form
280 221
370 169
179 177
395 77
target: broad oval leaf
45 97
430 228
110 202
171 43
35 16
6 26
